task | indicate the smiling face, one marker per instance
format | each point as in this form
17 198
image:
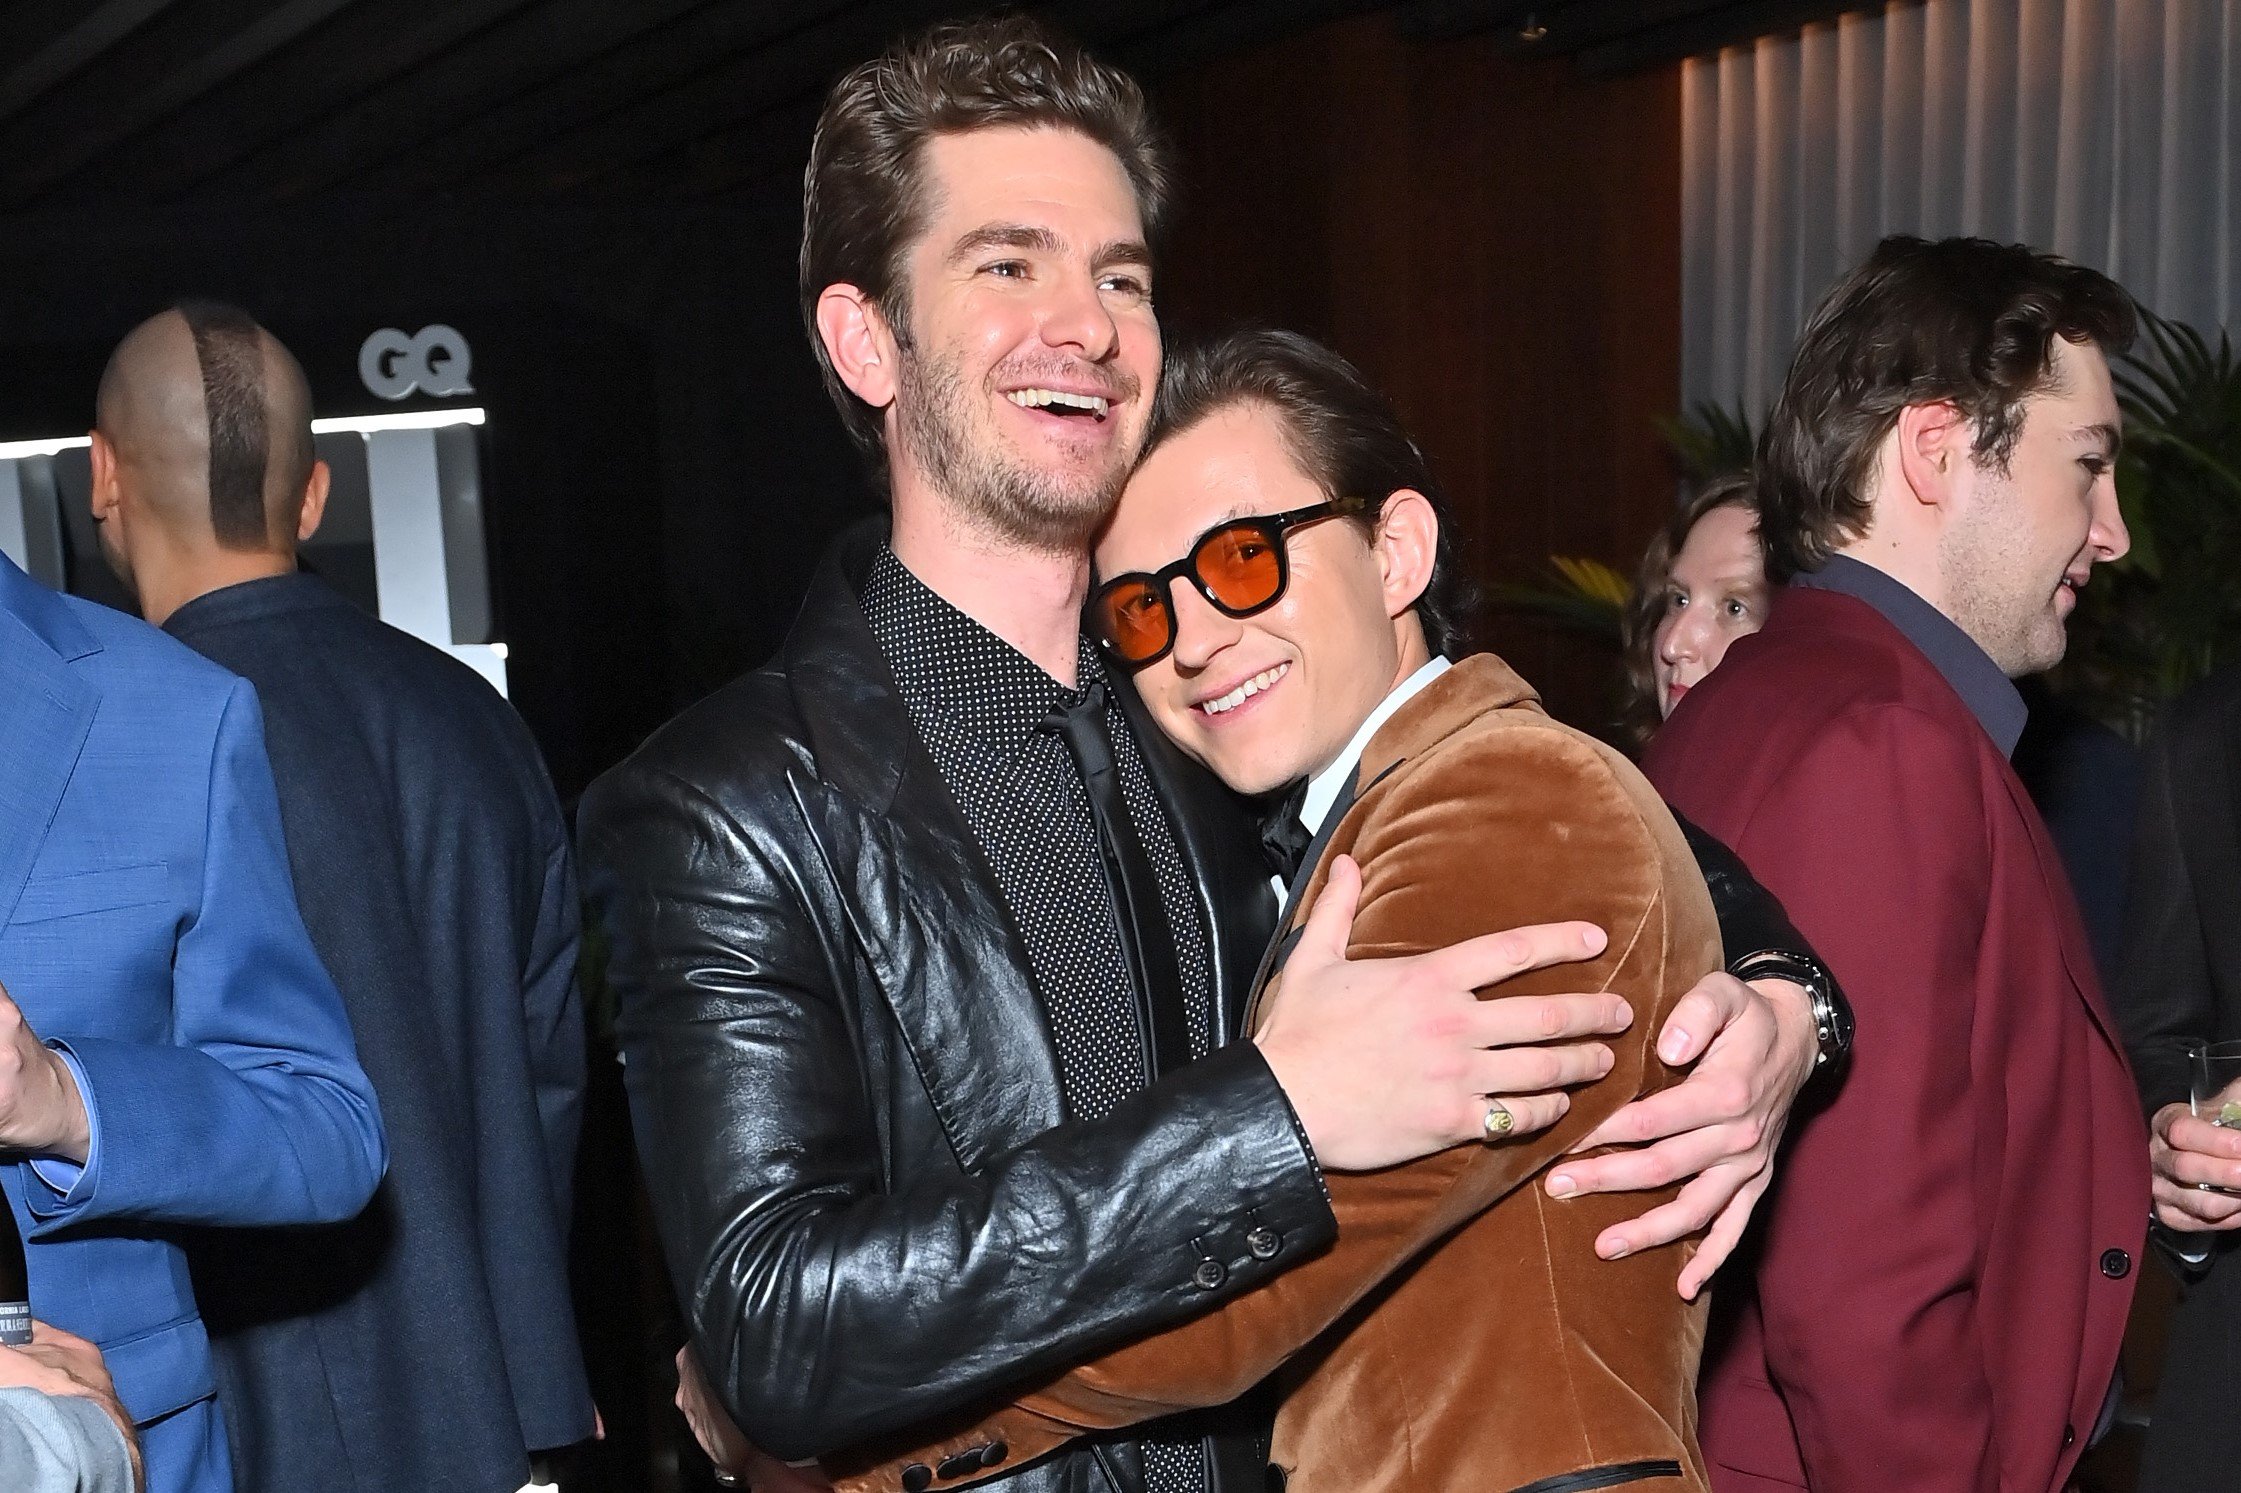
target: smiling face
2021 543
1716 593
1031 350
1274 697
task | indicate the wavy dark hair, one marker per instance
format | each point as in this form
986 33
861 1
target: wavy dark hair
1339 430
863 195
1645 609
1962 320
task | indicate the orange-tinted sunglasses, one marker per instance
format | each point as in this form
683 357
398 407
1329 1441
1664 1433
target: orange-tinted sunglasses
1240 567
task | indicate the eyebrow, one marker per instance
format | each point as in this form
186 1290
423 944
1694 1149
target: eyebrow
1041 240
1004 236
2108 435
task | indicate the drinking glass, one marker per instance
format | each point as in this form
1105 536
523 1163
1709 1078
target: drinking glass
2214 1092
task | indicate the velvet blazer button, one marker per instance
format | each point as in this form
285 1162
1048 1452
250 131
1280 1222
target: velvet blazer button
1209 1275
917 1478
993 1454
961 1464
2115 1264
1263 1243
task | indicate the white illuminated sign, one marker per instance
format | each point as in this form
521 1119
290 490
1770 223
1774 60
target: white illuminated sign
435 360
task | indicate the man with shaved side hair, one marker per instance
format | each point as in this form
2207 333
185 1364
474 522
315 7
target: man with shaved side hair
429 1344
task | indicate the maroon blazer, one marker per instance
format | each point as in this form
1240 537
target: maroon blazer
1948 1251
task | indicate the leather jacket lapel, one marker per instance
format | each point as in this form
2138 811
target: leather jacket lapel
917 892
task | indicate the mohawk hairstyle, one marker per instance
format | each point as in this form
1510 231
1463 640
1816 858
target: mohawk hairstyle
229 347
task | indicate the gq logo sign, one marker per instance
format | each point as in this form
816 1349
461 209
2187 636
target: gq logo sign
435 361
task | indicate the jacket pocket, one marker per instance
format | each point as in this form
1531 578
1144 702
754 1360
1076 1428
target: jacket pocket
162 1370
1612 1476
106 890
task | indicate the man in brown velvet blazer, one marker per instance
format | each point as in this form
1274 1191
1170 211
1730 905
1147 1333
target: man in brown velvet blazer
1281 649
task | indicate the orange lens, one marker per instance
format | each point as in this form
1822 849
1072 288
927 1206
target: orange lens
1240 566
1135 621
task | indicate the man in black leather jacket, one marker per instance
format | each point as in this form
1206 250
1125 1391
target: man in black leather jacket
899 1157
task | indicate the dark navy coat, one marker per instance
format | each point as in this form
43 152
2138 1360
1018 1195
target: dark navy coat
430 1344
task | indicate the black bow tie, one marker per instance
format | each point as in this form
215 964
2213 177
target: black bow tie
1284 835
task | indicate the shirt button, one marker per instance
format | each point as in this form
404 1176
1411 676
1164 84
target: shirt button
917 1478
1264 1242
2069 1434
1209 1275
2115 1264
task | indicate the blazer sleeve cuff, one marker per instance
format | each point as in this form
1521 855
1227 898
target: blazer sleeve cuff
1278 1207
66 1185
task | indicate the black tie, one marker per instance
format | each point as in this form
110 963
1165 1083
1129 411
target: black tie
1147 942
1284 835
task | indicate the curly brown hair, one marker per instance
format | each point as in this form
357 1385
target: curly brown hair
1646 608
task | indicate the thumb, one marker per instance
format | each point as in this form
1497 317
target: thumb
1330 922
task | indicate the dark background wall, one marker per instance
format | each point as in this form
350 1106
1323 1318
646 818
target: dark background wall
1495 240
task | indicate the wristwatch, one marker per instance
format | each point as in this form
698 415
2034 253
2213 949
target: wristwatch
1832 1013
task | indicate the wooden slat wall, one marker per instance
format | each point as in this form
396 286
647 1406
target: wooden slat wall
1496 241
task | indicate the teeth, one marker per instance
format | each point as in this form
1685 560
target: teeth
1245 691
1035 399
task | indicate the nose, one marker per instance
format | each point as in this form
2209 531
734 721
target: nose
1680 637
1201 632
1077 318
2108 538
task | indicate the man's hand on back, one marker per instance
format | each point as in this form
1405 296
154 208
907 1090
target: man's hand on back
1754 1047
1387 1060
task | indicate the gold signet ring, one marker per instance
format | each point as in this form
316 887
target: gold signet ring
1499 1121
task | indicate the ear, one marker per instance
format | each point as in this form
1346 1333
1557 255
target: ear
314 509
1408 543
106 494
858 340
1936 444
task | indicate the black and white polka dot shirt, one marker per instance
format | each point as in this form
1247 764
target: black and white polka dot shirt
979 705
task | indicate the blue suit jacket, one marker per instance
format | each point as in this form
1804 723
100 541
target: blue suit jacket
148 929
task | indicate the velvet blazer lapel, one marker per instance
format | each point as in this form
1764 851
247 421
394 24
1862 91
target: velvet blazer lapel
1456 698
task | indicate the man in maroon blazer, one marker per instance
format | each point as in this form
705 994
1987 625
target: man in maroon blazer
1947 1255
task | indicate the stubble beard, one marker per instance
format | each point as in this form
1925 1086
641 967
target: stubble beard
1017 505
1994 598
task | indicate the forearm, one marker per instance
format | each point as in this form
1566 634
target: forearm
281 1141
1752 918
829 1314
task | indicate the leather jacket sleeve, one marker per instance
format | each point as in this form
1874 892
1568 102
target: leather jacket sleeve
1751 918
840 1289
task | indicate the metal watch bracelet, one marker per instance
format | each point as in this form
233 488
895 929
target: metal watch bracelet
1832 1013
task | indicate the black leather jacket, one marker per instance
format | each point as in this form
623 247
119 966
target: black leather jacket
846 1098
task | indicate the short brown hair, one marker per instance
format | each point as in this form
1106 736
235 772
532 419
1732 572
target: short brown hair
863 198
1339 430
1962 320
1645 609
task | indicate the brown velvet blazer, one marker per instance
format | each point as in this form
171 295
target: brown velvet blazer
1507 1356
